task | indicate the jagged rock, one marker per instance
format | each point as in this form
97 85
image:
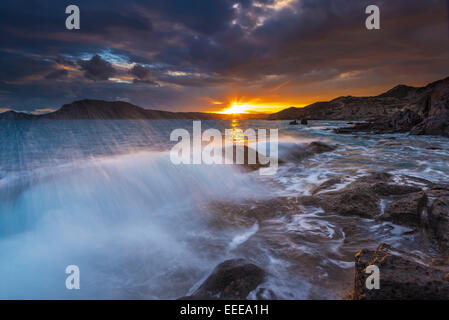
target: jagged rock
407 211
231 280
438 125
403 276
424 111
293 123
403 121
438 216
304 122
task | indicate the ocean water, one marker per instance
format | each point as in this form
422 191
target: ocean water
103 195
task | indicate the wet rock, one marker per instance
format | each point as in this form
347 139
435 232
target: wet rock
247 214
258 160
293 123
302 152
361 197
231 280
389 189
351 202
403 276
304 122
377 176
327 185
438 217
320 147
407 211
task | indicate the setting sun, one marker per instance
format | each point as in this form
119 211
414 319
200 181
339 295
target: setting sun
248 107
236 108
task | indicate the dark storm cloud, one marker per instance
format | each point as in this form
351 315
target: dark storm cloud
96 68
141 72
197 48
143 75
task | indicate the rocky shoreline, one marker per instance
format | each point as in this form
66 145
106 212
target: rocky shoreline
425 113
412 202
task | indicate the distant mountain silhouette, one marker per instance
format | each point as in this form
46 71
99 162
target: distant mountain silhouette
383 106
115 110
365 108
13 115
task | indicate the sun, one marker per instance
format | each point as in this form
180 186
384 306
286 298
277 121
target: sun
235 108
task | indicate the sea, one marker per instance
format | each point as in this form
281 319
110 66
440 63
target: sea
104 196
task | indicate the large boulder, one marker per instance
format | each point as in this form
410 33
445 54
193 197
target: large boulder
231 280
408 210
403 276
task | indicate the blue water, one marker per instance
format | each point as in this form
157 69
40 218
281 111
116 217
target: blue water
103 195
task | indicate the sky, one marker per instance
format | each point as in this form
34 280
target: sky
207 55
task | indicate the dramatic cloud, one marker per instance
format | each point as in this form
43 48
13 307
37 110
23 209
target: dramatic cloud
183 54
97 69
141 72
143 75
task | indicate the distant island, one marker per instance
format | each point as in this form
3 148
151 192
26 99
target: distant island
420 110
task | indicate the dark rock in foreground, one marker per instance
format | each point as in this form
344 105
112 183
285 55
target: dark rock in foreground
231 280
403 276
304 122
